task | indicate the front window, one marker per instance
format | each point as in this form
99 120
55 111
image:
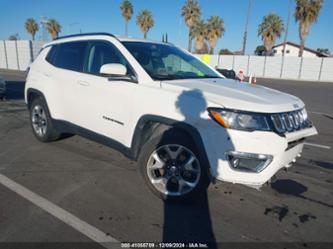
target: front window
101 53
167 62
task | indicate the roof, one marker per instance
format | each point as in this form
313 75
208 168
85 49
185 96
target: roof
298 46
84 34
130 39
120 38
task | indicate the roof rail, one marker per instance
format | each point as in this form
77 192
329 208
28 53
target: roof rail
84 34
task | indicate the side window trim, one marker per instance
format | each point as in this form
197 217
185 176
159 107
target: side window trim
86 58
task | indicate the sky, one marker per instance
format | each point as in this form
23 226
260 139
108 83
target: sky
105 16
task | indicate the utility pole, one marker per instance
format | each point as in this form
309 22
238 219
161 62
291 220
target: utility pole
246 27
43 24
287 27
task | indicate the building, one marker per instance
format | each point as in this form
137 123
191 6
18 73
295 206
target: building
292 49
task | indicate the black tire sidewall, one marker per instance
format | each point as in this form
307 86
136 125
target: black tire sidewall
172 137
51 133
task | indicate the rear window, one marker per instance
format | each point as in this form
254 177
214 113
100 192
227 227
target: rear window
50 56
68 55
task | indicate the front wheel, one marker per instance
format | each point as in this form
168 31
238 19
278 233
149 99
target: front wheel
172 168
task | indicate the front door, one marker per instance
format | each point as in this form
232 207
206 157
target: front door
105 104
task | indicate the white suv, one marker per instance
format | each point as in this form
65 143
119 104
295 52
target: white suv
183 122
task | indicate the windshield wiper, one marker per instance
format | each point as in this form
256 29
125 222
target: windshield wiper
167 77
210 77
178 77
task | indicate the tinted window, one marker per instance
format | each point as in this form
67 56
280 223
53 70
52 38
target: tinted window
101 53
70 55
51 54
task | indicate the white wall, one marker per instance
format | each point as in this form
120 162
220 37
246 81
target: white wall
327 70
310 68
12 59
272 67
291 67
3 60
306 68
226 61
18 55
256 65
23 54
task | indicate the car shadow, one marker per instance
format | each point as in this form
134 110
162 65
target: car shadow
324 165
190 220
289 187
294 188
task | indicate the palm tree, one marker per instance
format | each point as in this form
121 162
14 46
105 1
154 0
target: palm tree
145 21
127 11
260 50
215 31
324 51
32 27
191 12
53 27
199 31
14 37
306 13
270 29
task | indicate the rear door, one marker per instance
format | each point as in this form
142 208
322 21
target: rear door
68 59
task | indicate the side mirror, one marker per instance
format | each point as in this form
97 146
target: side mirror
113 69
116 71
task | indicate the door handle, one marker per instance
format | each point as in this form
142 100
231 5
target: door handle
83 83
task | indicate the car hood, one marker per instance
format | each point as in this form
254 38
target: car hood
237 95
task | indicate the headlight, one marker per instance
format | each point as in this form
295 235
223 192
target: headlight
239 120
304 114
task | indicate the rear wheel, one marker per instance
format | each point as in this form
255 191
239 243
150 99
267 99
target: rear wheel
171 166
41 121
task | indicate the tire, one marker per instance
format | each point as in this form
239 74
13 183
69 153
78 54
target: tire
158 167
41 122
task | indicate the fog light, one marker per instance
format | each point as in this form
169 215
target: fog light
248 162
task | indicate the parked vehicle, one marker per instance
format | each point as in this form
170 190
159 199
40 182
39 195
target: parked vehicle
2 87
183 122
229 74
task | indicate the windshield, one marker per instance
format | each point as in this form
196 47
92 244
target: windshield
167 62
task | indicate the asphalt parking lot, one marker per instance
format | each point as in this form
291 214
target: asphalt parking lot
103 190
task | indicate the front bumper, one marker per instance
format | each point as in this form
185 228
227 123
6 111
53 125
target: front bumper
284 150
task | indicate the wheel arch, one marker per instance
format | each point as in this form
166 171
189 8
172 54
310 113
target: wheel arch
150 126
32 94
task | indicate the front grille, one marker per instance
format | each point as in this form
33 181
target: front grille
290 121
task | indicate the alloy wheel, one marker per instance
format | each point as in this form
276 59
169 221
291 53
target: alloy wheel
39 120
173 170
